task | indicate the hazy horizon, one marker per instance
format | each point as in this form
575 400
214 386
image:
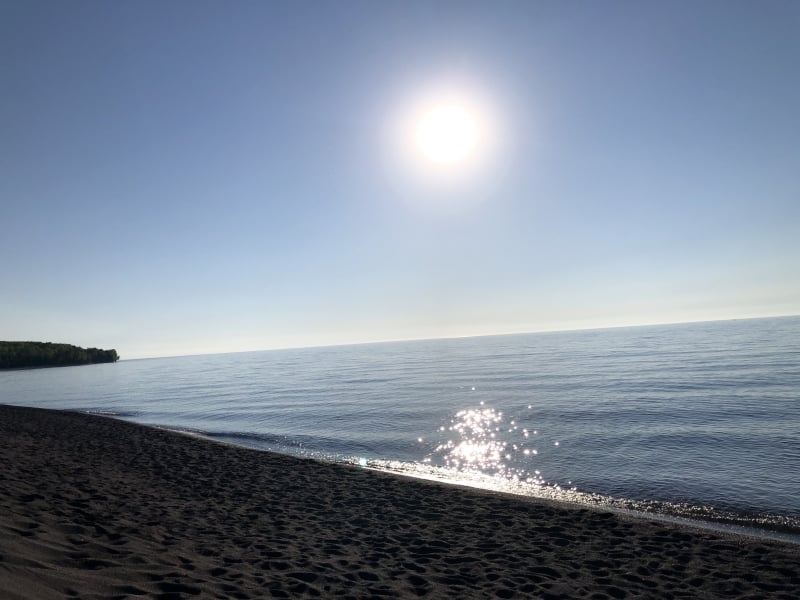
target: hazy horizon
201 177
480 335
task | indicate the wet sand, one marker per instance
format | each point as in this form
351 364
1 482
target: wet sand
92 507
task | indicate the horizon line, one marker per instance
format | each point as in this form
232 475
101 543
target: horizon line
461 337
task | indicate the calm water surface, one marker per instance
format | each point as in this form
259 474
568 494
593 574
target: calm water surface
695 420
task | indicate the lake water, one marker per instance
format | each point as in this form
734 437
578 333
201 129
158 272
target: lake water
693 420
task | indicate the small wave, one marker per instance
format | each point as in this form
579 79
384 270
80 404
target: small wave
248 438
110 413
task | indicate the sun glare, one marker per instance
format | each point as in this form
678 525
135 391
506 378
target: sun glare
446 135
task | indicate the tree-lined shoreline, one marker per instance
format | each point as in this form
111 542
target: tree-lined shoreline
26 355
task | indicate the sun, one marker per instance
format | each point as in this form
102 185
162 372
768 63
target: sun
447 133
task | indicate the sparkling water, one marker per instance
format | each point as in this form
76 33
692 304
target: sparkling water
697 420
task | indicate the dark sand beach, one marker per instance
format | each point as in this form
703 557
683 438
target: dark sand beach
92 507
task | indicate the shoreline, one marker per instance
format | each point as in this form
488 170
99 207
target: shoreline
97 507
725 522
722 527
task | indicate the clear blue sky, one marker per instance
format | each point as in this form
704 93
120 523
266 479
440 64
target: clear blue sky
189 177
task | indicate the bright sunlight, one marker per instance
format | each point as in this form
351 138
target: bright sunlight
445 135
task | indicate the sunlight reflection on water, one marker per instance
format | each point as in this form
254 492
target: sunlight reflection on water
482 441
697 420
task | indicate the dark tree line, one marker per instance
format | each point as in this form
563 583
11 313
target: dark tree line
19 355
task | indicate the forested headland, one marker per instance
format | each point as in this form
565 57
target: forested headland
21 355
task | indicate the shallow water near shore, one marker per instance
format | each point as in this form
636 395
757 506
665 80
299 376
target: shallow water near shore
699 421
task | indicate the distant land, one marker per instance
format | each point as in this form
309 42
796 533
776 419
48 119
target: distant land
26 355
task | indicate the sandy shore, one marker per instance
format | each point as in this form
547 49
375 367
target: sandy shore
92 507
